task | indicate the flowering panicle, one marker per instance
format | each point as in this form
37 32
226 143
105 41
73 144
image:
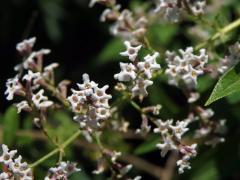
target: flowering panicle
232 59
137 73
171 136
126 24
32 81
62 171
186 67
15 168
171 9
210 131
90 103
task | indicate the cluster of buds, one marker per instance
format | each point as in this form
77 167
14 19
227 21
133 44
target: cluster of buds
137 73
127 25
230 60
111 158
171 136
90 104
14 168
210 131
185 68
171 9
62 171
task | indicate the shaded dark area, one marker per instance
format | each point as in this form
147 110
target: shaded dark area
75 39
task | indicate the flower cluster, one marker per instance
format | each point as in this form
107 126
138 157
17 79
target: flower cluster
171 136
90 103
15 168
32 80
62 171
127 25
210 131
186 67
111 158
230 60
137 73
171 9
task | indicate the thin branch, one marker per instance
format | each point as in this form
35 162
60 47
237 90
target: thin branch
221 32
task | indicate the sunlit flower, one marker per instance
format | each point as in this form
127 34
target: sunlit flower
131 52
13 85
127 72
149 65
140 89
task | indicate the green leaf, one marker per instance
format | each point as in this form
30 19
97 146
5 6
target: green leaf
228 84
148 146
10 125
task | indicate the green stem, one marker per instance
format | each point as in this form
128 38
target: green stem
55 151
222 31
136 106
98 141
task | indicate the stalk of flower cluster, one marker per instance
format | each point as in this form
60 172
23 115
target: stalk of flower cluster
66 143
228 28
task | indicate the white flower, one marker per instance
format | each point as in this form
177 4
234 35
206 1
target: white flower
45 104
62 171
202 132
23 105
13 86
115 156
194 96
30 76
127 72
17 167
51 67
163 126
7 155
206 114
149 65
99 93
179 129
87 85
140 88
192 75
187 153
102 113
4 176
166 146
131 52
93 2
26 45
183 164
41 101
125 169
104 15
197 7
137 178
169 9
